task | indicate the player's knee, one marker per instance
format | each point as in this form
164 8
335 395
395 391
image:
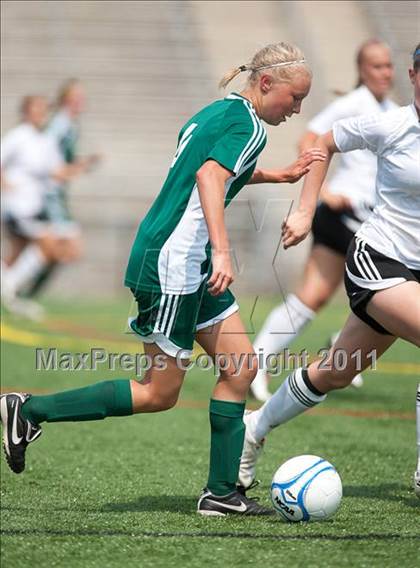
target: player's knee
72 250
252 368
244 369
315 296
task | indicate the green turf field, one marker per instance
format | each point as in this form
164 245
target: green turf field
123 492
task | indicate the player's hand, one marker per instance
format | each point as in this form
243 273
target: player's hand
222 275
295 228
336 202
302 165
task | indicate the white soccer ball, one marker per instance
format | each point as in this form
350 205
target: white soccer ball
306 488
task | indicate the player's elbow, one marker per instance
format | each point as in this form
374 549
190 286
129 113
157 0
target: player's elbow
307 141
205 173
200 176
326 143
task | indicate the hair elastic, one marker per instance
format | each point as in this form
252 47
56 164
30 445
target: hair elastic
283 64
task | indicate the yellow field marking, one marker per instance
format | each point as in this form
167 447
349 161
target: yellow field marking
16 336
10 334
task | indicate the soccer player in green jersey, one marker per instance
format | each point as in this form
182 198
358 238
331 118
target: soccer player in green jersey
180 270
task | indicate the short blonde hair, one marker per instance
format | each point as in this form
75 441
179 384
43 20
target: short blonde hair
65 91
284 59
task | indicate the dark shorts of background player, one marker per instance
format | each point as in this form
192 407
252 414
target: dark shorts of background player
360 258
329 229
27 227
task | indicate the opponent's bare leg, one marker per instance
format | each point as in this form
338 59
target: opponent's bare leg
355 349
397 309
323 273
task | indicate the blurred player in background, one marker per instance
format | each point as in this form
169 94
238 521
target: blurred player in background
346 201
179 272
30 164
382 265
64 127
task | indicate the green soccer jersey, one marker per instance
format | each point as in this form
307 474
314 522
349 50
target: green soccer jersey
66 133
171 251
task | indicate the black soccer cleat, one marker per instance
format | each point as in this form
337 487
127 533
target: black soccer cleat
232 504
17 431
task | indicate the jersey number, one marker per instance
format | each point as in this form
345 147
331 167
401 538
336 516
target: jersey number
186 137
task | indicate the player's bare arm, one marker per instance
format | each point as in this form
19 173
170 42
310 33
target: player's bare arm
292 173
211 178
297 226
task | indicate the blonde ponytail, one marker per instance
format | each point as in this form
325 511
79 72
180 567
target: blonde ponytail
281 58
227 78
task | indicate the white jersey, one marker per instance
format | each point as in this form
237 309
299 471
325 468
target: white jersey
28 158
356 171
393 228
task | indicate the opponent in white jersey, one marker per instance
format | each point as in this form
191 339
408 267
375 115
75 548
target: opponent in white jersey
393 228
382 265
30 164
346 200
28 158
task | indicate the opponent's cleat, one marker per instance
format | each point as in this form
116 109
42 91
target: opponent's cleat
250 454
416 482
17 431
233 504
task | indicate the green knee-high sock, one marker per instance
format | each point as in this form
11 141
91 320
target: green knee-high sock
227 439
95 402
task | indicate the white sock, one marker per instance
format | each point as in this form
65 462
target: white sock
27 265
283 325
291 399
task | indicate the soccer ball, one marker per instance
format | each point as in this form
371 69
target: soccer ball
306 488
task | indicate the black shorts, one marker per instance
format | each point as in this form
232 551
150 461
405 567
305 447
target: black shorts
367 272
334 229
26 227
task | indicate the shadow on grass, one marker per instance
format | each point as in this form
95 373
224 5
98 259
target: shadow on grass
144 504
154 503
383 492
208 534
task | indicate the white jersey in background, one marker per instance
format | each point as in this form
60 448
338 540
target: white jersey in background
356 171
393 229
28 158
